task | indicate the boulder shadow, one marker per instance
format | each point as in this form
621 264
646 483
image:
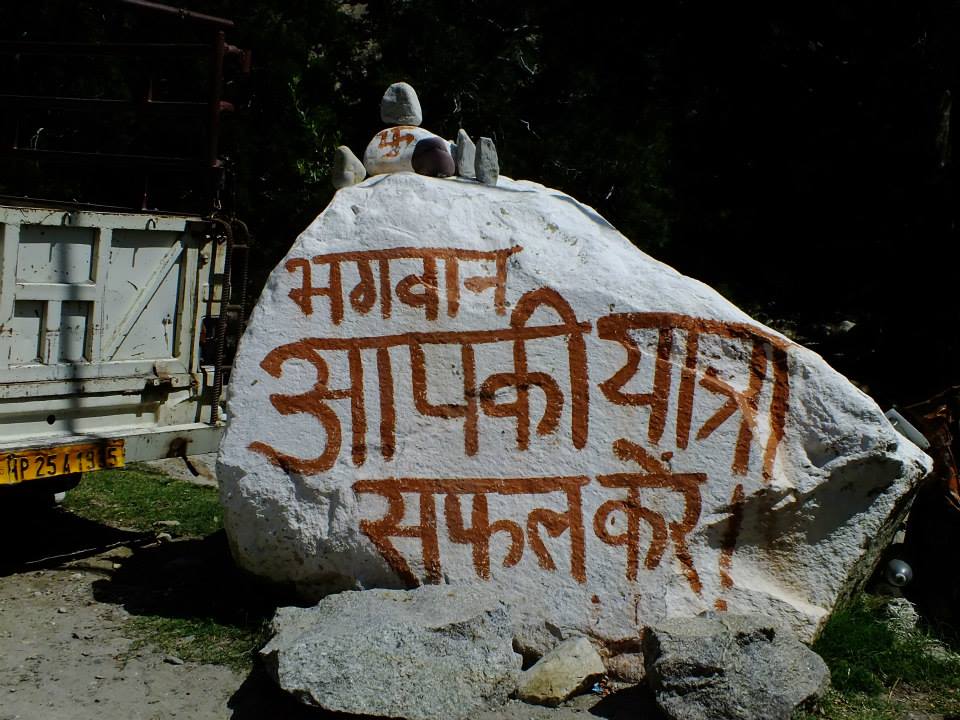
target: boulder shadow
260 697
189 578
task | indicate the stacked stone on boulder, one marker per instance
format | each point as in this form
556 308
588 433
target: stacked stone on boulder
407 147
449 382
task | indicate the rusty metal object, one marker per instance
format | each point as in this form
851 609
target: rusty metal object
937 419
180 12
933 528
43 128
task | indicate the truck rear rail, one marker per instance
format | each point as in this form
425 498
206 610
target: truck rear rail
104 319
117 229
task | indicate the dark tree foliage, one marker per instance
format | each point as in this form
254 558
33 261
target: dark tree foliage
795 157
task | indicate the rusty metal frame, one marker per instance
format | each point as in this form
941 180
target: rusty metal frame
203 170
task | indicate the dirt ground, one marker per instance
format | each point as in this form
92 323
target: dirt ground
65 650
70 589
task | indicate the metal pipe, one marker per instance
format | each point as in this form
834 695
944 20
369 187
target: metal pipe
179 12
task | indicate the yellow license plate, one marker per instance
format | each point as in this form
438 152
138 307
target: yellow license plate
40 463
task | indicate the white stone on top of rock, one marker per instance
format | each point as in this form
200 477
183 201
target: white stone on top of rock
391 150
568 669
445 381
435 653
486 164
464 155
400 105
347 168
730 667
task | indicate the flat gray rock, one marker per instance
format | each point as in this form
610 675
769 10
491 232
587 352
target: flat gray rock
486 164
400 105
434 653
464 155
730 667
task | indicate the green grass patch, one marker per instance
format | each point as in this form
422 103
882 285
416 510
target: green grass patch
878 673
137 497
200 640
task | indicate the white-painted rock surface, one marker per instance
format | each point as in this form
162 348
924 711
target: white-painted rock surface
562 673
451 382
391 150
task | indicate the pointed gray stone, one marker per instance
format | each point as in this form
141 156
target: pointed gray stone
400 105
487 165
464 155
347 168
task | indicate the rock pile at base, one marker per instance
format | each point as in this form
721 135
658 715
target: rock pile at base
730 667
451 382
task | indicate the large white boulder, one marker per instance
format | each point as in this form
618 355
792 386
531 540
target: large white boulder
446 382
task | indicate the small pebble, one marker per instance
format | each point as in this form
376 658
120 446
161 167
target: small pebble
172 660
61 610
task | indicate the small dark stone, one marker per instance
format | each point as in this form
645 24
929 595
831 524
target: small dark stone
432 157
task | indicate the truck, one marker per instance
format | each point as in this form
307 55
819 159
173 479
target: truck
122 268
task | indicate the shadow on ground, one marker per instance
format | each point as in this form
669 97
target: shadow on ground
196 578
189 578
36 537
